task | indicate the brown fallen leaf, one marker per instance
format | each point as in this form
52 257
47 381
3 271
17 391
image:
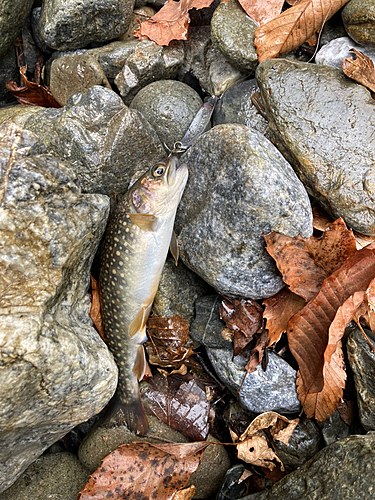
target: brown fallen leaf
95 311
143 470
32 94
256 354
171 22
361 69
305 262
262 11
293 27
321 219
185 494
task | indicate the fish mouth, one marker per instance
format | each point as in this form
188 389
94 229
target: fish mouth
177 173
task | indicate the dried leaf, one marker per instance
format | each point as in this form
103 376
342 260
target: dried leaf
321 219
32 94
186 494
293 27
95 311
360 69
256 354
143 470
171 22
179 403
308 334
347 411
370 297
262 11
306 262
278 310
168 337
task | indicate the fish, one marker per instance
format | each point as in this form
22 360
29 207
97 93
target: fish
133 255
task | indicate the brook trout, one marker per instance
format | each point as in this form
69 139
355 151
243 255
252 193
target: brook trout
134 252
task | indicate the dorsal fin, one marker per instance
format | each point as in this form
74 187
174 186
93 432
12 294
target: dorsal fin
173 247
146 222
139 367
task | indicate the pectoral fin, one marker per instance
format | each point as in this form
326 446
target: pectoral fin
140 363
173 247
146 222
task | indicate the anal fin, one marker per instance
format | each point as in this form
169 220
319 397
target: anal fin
140 363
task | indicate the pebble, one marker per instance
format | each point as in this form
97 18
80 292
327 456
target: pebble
359 21
335 51
223 75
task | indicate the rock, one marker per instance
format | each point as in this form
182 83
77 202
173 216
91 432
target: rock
30 50
334 428
361 361
272 390
112 56
18 114
73 24
169 106
207 478
195 61
223 75
34 21
55 371
236 107
12 16
147 63
323 123
335 51
239 188
177 292
232 32
139 15
8 71
59 476
303 444
342 471
333 28
207 325
359 21
75 74
106 142
231 489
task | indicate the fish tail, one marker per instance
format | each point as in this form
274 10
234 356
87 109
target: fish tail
130 413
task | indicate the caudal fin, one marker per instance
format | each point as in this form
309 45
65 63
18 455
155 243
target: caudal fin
130 413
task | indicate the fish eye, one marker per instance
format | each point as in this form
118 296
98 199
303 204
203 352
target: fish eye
158 170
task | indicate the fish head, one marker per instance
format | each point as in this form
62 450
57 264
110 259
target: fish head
159 190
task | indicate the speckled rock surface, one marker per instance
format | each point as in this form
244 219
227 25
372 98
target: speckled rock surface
272 390
72 24
359 20
323 123
59 476
149 62
334 428
105 141
18 113
335 51
232 32
236 107
177 292
239 188
169 106
12 16
75 74
206 479
55 371
342 471
362 363
8 71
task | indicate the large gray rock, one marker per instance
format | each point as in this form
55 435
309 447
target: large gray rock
362 363
106 142
260 391
359 20
323 123
342 471
55 371
239 188
18 113
12 16
112 57
72 24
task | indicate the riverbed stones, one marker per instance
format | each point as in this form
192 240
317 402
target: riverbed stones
323 123
12 16
73 24
112 56
239 188
335 51
169 106
55 371
343 471
18 113
260 391
232 32
106 142
359 21
362 363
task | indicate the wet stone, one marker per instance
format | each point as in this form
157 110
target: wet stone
236 107
13 14
239 188
169 106
112 56
139 15
75 74
232 32
362 363
18 114
261 391
359 21
334 428
34 21
231 489
223 75
323 124
73 24
335 51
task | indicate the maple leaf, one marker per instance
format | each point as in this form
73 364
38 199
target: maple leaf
360 69
293 27
262 11
171 22
144 470
32 94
